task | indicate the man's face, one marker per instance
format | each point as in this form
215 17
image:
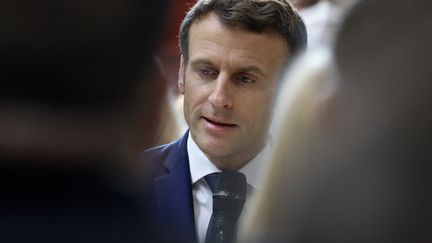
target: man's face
228 82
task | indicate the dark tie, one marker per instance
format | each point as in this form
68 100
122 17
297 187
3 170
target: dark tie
229 195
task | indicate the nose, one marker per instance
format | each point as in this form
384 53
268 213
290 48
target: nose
221 94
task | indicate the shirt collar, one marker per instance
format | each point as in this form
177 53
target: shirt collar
201 166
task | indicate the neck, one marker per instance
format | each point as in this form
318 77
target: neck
235 162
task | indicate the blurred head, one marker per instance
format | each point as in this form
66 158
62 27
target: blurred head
384 120
78 63
75 54
307 88
233 54
75 80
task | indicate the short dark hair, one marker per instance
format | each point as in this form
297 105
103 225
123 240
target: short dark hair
253 15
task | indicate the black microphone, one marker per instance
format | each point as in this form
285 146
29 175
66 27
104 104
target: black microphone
229 196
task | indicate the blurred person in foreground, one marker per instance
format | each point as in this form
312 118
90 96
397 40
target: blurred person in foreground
232 56
74 96
361 171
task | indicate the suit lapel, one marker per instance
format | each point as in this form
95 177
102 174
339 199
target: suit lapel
173 194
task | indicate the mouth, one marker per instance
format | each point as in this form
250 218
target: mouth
219 123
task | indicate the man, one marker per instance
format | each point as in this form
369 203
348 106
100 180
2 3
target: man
74 90
232 55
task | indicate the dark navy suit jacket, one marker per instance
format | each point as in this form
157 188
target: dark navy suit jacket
171 206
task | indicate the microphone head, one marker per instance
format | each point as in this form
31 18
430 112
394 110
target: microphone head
230 193
232 183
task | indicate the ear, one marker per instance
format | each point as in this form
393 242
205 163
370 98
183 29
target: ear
181 76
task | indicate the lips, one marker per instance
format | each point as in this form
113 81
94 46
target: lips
219 123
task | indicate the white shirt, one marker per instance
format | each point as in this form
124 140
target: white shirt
200 166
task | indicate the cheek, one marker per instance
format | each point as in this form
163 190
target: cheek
187 107
190 100
259 110
193 101
195 96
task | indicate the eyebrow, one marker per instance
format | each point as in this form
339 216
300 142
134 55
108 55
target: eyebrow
252 68
201 61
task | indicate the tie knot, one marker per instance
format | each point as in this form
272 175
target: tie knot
227 183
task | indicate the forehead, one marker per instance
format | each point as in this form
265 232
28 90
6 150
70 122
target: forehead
209 35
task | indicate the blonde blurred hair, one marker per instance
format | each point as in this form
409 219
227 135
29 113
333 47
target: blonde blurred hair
307 87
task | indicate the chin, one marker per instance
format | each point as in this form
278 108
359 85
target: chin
215 151
214 144
224 166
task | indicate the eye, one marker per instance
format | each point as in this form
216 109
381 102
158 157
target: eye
244 79
207 72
